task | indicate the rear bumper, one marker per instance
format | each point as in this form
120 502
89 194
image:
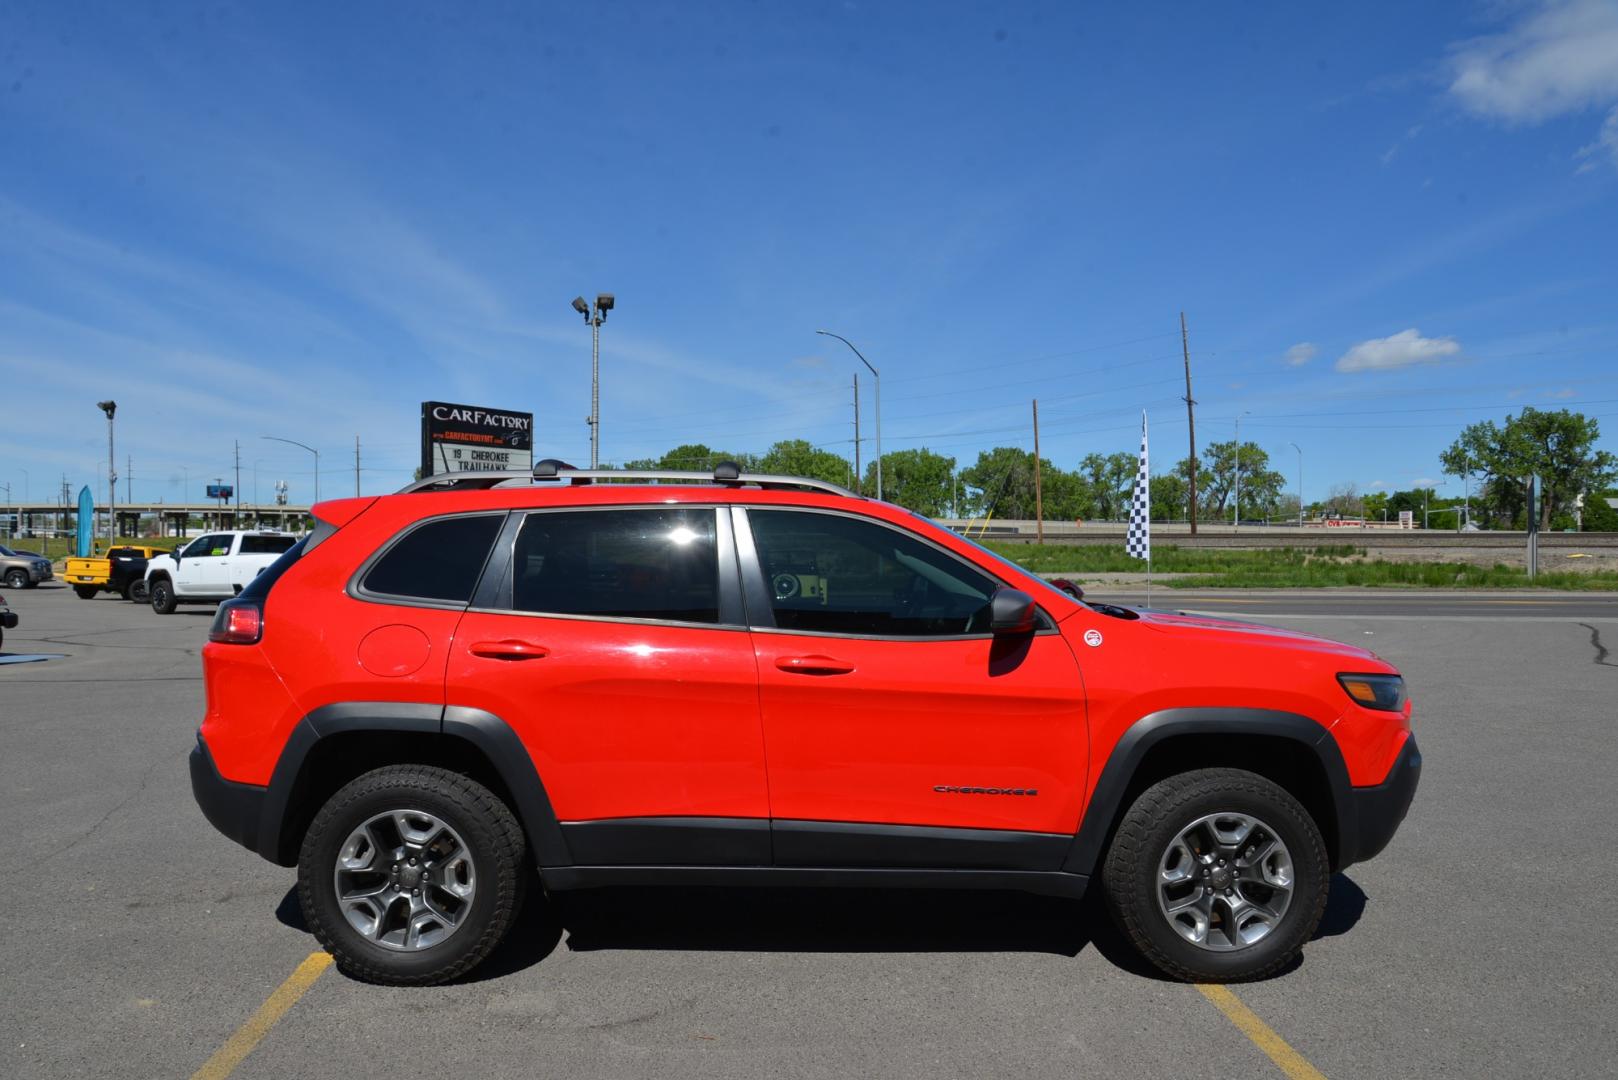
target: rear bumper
1379 809
237 810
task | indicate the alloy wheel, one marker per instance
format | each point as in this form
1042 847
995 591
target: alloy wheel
1225 881
404 880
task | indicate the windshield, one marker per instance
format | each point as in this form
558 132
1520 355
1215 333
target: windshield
6 551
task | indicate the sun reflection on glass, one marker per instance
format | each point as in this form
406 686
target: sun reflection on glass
682 535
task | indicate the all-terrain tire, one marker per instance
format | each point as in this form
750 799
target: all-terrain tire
163 599
137 592
1130 873
492 837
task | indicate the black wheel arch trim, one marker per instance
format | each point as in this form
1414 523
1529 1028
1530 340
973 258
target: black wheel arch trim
487 733
1154 729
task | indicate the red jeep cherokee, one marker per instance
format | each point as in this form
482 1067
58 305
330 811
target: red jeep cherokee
626 678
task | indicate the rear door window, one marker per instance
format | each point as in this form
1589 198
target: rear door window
655 563
267 545
438 561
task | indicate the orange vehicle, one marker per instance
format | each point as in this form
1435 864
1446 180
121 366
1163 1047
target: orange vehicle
625 678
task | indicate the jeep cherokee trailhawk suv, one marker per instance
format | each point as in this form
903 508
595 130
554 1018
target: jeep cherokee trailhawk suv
638 678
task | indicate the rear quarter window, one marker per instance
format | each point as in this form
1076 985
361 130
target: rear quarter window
438 561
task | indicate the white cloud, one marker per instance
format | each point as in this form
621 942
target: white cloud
1401 350
1606 142
1559 58
1301 353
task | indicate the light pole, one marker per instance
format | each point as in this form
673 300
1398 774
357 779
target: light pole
1300 482
878 376
111 407
604 302
312 450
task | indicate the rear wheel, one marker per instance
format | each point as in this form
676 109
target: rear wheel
163 600
17 579
1217 875
136 591
411 875
86 592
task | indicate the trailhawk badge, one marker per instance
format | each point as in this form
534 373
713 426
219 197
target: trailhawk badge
1092 638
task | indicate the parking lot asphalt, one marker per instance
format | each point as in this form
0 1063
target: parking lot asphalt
139 943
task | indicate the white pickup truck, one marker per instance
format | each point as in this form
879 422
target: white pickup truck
212 568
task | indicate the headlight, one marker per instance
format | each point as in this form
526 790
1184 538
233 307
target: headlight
1385 692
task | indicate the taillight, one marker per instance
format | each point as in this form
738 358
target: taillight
238 622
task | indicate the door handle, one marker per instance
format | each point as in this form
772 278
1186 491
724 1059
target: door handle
813 665
510 649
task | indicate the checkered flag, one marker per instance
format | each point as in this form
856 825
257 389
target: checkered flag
1138 543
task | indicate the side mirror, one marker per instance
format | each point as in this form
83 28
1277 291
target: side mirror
1011 612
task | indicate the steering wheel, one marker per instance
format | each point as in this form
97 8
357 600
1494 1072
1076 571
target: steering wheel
786 586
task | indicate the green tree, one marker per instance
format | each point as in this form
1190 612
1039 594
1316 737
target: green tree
1171 496
1001 482
796 457
1111 478
917 480
692 457
1375 503
1557 446
1216 479
1599 514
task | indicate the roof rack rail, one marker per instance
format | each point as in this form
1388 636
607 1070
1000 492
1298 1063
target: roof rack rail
550 471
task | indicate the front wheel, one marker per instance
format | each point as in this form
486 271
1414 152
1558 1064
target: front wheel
411 875
18 579
163 600
86 592
1217 875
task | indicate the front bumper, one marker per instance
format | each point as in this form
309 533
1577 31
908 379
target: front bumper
1379 809
41 572
237 810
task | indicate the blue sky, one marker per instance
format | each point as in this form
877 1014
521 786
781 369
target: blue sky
1382 221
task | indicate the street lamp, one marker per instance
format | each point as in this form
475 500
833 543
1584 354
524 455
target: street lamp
604 302
111 407
1296 447
878 376
312 450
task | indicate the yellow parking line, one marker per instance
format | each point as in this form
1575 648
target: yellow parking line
239 1045
1263 1036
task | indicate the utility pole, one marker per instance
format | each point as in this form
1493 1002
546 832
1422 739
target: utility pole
1039 495
859 477
129 479
1190 419
236 492
357 466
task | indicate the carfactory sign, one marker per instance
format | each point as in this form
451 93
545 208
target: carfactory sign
467 438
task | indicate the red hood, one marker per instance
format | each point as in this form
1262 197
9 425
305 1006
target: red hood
1189 627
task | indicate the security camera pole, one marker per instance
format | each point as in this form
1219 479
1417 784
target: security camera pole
595 318
878 375
111 407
